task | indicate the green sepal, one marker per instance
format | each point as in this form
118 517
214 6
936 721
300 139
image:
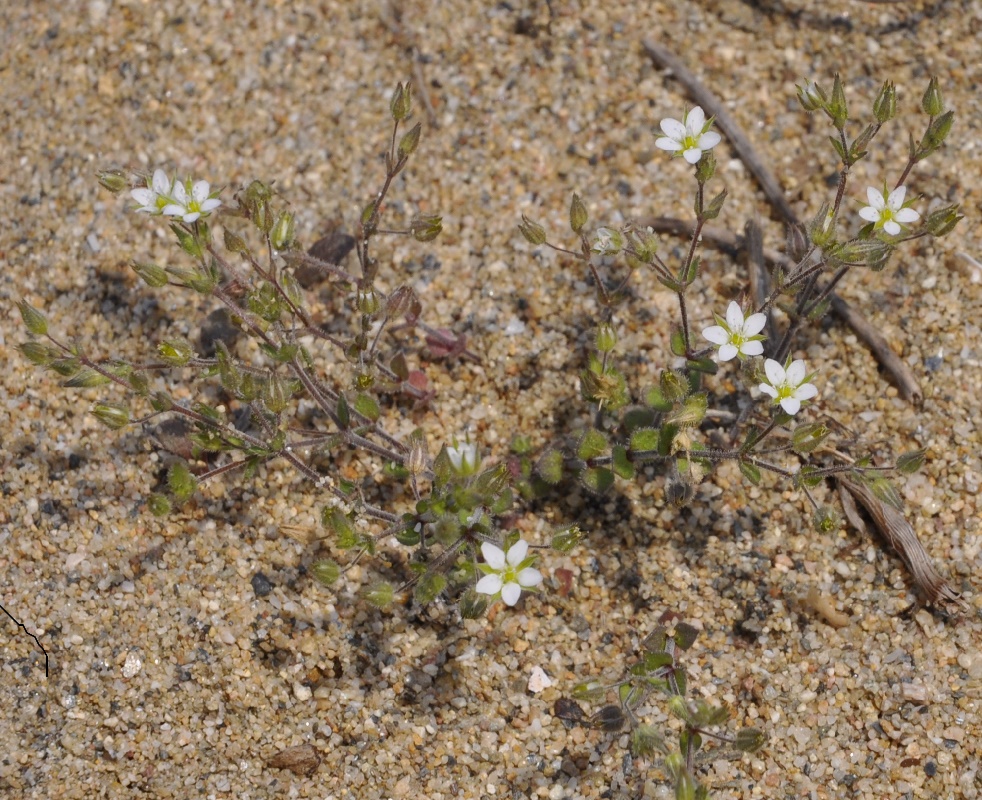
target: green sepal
35 321
577 214
159 505
113 415
380 594
188 241
677 342
692 411
343 412
749 740
808 437
86 379
909 463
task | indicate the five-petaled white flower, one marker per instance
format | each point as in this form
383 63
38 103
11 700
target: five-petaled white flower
190 201
156 195
507 574
735 335
690 137
886 210
789 388
464 457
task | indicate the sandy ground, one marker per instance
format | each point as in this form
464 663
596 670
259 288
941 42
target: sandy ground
176 672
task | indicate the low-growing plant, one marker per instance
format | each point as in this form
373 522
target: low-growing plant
291 383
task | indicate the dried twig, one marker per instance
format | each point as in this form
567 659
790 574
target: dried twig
902 376
21 625
902 537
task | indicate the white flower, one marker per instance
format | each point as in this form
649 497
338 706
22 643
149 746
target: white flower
735 335
156 195
886 210
691 136
505 575
464 458
607 242
789 388
191 202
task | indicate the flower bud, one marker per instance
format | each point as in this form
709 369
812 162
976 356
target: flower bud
606 337
942 221
565 540
35 321
115 180
410 141
151 274
401 103
281 237
533 232
577 214
811 96
113 415
706 167
175 352
837 108
885 104
326 571
933 103
426 227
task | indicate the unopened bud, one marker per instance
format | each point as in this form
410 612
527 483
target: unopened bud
115 180
933 103
401 103
534 233
283 231
885 104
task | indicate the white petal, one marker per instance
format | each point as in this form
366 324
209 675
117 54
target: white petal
754 324
210 204
510 593
752 348
709 140
180 194
869 214
529 577
796 372
692 155
806 391
189 218
891 227
716 334
143 196
774 372
875 198
489 584
667 144
173 210
907 215
493 555
517 552
734 316
791 405
766 388
695 121
673 129
160 183
200 191
896 198
727 352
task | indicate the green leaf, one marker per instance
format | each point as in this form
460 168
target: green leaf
655 398
704 365
750 472
344 415
565 540
550 466
380 595
666 437
367 406
326 571
645 740
589 690
159 505
429 587
597 479
622 465
749 740
181 482
677 341
685 635
645 440
593 444
808 437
